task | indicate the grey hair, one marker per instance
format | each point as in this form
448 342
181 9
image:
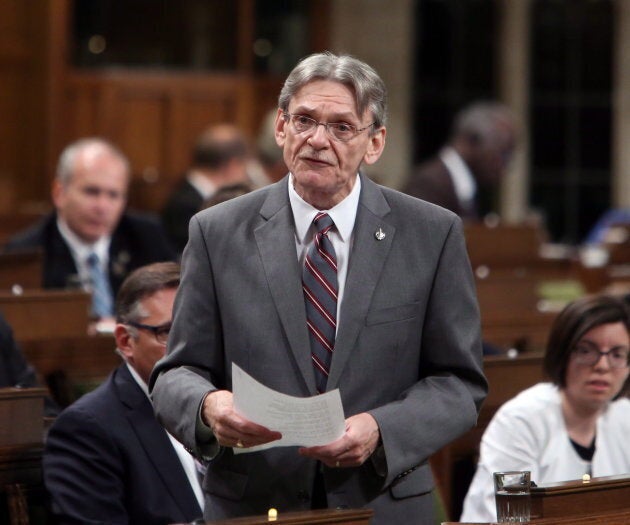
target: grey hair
67 159
485 120
369 89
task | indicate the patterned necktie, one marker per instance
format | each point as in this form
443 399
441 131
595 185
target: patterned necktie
102 297
319 282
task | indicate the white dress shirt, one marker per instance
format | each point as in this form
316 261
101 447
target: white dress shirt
80 251
462 177
202 184
341 236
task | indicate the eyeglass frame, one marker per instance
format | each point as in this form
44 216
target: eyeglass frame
288 117
154 329
592 348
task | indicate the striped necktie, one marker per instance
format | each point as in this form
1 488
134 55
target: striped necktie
319 282
102 297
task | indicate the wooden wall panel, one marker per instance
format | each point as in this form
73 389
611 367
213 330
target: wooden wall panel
155 117
45 103
21 100
81 114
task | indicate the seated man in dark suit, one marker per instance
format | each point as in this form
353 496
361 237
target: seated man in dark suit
476 157
219 158
90 241
107 459
15 370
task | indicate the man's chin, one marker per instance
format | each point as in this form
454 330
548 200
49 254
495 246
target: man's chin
91 236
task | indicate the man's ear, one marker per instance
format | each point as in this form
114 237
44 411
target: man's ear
124 340
56 192
280 128
375 146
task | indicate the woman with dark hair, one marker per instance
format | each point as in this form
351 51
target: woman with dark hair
574 425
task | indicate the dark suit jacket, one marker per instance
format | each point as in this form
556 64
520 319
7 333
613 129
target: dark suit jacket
107 460
136 241
407 350
14 370
182 204
432 182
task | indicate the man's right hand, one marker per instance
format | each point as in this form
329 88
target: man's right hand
229 428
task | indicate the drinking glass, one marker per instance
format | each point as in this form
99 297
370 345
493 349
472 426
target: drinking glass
512 496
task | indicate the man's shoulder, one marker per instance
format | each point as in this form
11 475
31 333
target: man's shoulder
100 404
138 220
409 204
184 194
34 236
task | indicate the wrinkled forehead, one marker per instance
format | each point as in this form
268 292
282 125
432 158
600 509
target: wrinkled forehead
325 94
100 165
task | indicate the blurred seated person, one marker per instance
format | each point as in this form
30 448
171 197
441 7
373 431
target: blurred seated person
219 158
15 371
107 459
475 157
90 241
226 193
600 230
574 425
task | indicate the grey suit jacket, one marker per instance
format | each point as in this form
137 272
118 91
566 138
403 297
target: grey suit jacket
408 347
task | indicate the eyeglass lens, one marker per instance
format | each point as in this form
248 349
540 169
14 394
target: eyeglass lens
589 355
338 130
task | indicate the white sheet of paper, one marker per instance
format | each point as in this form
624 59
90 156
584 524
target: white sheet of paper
302 421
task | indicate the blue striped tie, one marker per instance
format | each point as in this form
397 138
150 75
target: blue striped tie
102 297
319 282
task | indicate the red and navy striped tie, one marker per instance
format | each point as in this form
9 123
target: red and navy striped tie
319 282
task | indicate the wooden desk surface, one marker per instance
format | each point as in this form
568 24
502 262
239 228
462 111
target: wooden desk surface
46 314
608 518
581 498
323 516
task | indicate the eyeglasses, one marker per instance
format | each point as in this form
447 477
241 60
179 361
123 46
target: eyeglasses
587 354
340 131
160 332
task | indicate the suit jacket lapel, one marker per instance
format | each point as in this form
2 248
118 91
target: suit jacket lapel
60 270
276 243
368 256
153 438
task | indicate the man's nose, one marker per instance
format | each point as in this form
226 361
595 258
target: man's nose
319 135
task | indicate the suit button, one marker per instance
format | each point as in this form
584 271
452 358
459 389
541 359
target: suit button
302 495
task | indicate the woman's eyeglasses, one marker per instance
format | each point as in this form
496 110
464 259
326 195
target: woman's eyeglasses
587 354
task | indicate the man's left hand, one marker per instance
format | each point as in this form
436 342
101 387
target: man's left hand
353 448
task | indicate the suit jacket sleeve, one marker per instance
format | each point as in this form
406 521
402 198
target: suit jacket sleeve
190 371
444 402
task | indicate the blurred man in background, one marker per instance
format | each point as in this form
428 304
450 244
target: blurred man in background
476 157
219 158
90 241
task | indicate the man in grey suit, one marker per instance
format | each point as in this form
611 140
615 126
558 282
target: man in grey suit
405 349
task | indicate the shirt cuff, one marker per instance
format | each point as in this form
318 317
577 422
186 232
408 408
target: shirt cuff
207 445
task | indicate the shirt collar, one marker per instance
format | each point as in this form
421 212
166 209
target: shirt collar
79 248
202 184
343 214
463 180
136 376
